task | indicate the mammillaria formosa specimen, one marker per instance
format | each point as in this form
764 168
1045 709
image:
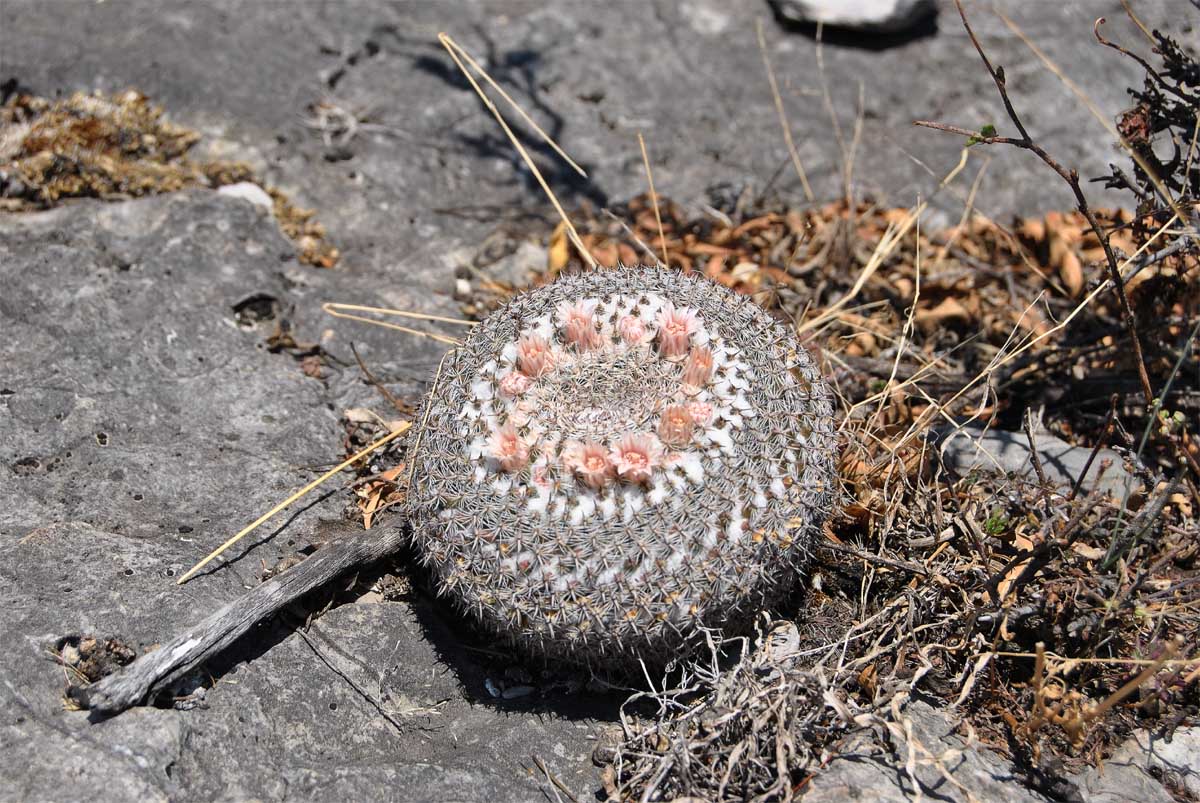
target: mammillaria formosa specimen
617 459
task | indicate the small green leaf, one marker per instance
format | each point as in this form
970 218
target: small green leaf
987 131
997 523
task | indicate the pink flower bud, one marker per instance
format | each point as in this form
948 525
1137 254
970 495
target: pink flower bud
579 324
632 330
675 328
589 461
534 357
699 367
507 446
514 384
676 426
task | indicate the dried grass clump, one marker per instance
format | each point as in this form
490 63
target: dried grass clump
755 730
90 146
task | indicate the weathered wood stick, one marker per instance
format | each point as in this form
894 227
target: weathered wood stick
155 670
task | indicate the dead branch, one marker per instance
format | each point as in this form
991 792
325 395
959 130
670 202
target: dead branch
1026 142
156 670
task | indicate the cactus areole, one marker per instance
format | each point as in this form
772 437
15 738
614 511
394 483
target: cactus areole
611 462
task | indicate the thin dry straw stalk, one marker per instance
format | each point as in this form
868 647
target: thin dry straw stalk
783 119
339 311
400 430
662 239
459 55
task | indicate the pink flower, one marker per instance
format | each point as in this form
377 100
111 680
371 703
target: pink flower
636 456
579 324
534 357
507 446
590 461
699 367
701 413
676 426
675 328
514 384
632 330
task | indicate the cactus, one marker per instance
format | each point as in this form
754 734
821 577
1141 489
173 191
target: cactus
613 461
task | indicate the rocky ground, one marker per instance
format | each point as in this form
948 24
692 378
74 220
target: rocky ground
143 419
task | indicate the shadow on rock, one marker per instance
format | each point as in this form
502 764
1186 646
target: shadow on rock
487 673
493 674
519 70
925 27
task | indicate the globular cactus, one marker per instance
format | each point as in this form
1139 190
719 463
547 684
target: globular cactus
617 459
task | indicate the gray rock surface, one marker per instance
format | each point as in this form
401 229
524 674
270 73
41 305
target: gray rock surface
973 448
1127 774
940 764
140 425
434 168
870 16
946 768
141 422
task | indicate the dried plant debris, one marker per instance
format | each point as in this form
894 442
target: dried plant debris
1165 113
90 658
120 146
755 730
87 659
1055 615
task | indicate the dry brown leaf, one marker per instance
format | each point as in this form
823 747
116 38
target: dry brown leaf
1022 543
1087 551
558 253
1071 272
1033 229
606 253
950 309
392 474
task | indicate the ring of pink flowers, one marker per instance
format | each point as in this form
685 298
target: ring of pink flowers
635 455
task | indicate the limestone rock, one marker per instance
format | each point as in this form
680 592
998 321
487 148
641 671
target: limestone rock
972 448
142 422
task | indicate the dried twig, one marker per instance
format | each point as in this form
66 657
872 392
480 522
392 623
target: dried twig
1026 142
156 670
398 405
